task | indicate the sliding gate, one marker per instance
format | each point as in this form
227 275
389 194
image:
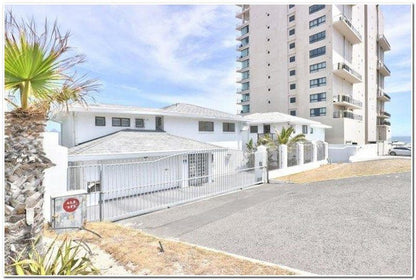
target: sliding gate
124 189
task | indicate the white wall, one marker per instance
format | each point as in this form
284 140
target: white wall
317 135
55 179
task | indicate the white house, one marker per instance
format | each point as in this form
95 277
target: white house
269 123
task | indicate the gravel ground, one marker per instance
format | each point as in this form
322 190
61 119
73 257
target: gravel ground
354 226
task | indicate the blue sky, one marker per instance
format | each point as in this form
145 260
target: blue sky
153 56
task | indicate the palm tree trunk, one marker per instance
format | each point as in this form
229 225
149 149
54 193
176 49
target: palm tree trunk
25 163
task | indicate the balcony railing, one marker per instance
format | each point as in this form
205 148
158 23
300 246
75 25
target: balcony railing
244 9
245 98
384 123
242 69
383 114
347 101
384 44
344 25
241 25
381 95
347 114
241 90
242 57
346 72
240 47
384 70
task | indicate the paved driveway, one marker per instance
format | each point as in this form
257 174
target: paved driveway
354 226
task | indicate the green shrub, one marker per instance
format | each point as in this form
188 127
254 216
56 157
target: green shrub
64 259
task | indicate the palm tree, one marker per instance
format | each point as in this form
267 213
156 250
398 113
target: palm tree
38 70
285 136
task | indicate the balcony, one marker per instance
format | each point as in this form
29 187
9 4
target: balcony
347 73
381 95
242 91
383 123
244 9
382 68
345 27
241 47
243 36
384 44
244 100
242 80
241 25
347 115
347 102
241 57
243 69
382 114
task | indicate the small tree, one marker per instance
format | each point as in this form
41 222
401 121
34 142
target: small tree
285 136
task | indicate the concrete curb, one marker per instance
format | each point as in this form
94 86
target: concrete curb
297 272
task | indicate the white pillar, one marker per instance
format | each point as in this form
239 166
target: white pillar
299 151
326 150
282 156
314 152
260 163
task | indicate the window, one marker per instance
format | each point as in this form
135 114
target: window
317 22
315 8
291 18
292 31
292 112
292 59
304 129
317 82
244 53
317 52
316 112
139 123
99 121
317 37
206 126
254 129
292 100
291 6
292 86
245 75
244 30
292 45
245 63
311 130
94 186
292 72
245 86
317 97
316 67
228 127
124 122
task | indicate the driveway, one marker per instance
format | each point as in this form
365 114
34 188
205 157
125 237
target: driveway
354 226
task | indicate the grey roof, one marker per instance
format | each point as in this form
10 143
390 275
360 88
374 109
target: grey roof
134 141
189 109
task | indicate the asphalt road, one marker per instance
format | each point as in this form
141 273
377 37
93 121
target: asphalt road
354 226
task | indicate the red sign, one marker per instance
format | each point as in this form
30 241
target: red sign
71 204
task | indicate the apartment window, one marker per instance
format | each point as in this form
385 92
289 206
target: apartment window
317 82
304 129
292 59
99 121
206 126
316 112
317 97
245 63
123 122
292 45
317 52
292 86
311 130
317 66
228 127
245 86
291 18
291 6
254 129
139 123
315 8
292 100
244 42
292 112
317 37
292 72
244 53
316 22
245 75
244 30
292 31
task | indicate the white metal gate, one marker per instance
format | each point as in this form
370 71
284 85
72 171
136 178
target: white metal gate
124 189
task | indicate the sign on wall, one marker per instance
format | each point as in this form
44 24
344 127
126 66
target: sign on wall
69 210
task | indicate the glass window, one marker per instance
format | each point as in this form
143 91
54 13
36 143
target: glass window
291 6
316 67
245 86
292 59
139 123
292 45
292 112
315 8
245 75
317 97
206 126
124 122
291 18
317 37
316 112
244 63
254 129
292 86
292 73
292 31
317 82
317 21
99 121
244 30
317 52
228 127
304 129
311 130
292 100
244 53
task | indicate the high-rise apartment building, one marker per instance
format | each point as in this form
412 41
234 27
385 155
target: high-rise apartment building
321 62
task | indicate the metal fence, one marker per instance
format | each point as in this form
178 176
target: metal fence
307 152
124 189
320 147
273 158
292 155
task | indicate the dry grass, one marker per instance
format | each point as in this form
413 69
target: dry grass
141 254
346 170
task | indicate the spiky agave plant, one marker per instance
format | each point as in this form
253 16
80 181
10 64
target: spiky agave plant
39 71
